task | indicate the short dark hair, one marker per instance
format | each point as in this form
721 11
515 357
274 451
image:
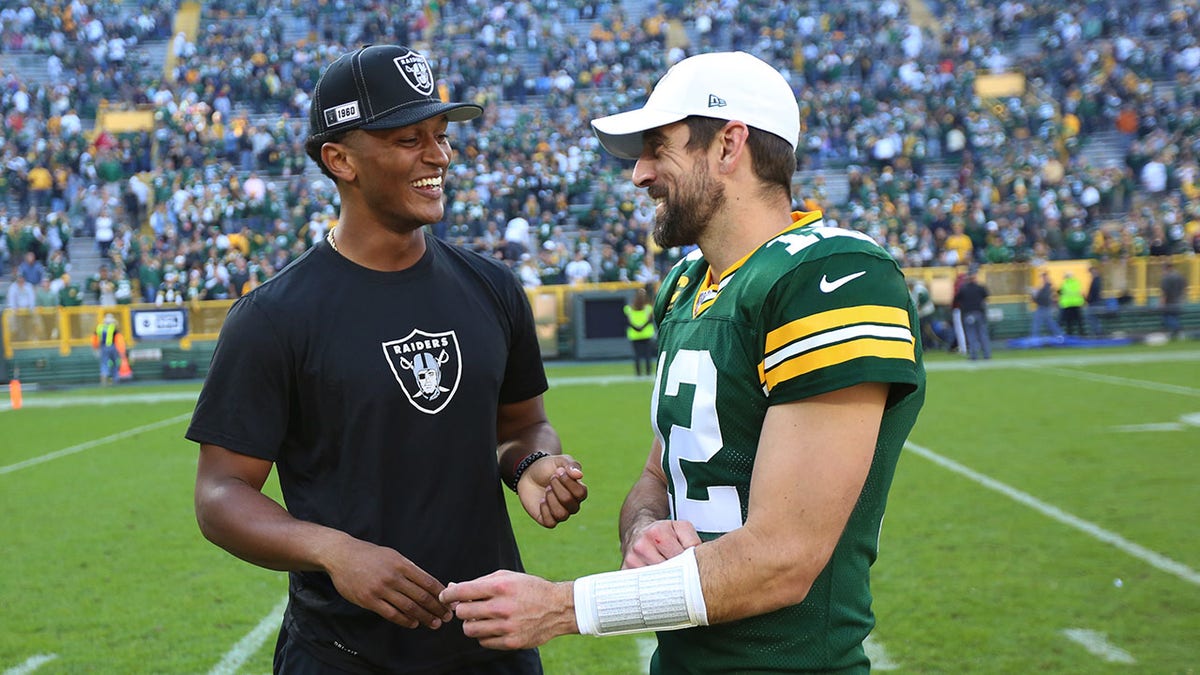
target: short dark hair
312 148
772 158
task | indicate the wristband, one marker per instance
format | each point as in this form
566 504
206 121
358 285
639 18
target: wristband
523 465
666 596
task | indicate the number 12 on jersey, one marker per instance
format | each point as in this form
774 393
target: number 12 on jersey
714 508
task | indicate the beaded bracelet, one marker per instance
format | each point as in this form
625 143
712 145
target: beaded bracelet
523 465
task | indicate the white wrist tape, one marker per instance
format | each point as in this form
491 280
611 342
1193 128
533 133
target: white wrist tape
666 596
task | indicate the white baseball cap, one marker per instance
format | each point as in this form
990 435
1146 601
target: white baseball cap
724 85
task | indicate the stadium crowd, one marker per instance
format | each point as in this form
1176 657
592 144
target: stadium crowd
896 143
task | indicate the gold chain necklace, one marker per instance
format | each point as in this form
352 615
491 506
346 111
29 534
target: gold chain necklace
332 243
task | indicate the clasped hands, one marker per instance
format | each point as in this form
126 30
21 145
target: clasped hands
510 610
382 580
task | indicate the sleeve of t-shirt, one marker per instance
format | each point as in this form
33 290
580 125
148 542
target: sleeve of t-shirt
524 376
835 322
243 404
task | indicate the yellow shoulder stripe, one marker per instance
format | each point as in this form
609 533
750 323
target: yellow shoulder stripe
834 318
835 354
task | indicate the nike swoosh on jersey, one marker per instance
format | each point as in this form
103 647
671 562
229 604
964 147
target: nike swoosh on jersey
828 286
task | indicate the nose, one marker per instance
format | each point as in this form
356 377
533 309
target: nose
437 152
643 172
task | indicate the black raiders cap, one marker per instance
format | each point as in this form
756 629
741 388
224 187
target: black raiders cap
379 87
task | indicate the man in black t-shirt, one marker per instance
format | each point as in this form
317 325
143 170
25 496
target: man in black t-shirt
972 297
394 382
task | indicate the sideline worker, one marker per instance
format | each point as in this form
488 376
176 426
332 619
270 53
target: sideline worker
104 343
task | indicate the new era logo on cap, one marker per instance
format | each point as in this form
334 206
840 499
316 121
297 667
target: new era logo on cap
752 91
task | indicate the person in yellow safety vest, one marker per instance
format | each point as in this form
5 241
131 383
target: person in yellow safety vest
639 328
1071 301
104 343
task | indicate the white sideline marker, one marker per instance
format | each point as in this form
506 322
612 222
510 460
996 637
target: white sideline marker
1123 381
646 646
93 400
31 664
878 655
1097 644
1150 427
1142 553
236 657
34 461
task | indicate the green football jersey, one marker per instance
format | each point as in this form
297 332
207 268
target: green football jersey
813 310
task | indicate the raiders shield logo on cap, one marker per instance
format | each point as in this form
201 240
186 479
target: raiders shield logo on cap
427 366
416 72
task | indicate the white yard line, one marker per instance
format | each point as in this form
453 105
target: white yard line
1152 426
1097 644
1142 553
646 646
31 664
1075 359
42 400
46 401
1123 381
601 380
237 656
878 655
92 444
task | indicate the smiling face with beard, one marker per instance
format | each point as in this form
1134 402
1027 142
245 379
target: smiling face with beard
682 217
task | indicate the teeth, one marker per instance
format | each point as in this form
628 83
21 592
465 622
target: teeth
428 182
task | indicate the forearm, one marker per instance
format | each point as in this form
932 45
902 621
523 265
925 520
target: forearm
745 573
813 459
248 524
521 443
645 504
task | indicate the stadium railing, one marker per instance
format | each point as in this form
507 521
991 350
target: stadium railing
1131 291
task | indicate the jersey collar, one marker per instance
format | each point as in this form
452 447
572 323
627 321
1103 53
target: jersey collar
711 288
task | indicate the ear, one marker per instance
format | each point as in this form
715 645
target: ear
338 160
731 145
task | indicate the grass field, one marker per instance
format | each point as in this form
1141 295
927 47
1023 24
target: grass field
1044 518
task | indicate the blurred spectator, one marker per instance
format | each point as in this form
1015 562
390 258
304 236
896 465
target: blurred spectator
1071 301
1043 312
972 300
579 270
1172 286
1095 300
21 294
31 269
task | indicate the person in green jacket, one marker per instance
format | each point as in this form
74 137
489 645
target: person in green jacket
70 295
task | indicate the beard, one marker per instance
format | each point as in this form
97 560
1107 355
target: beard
684 217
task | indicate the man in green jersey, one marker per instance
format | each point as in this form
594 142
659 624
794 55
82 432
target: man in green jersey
789 376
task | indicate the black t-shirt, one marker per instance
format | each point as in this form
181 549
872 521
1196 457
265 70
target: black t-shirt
971 297
375 395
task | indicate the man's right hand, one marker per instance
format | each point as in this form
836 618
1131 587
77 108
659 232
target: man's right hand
658 541
381 580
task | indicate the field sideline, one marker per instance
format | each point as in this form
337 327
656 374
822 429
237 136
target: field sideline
1043 518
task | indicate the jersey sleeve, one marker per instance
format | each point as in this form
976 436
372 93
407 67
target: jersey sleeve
837 321
243 404
524 375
